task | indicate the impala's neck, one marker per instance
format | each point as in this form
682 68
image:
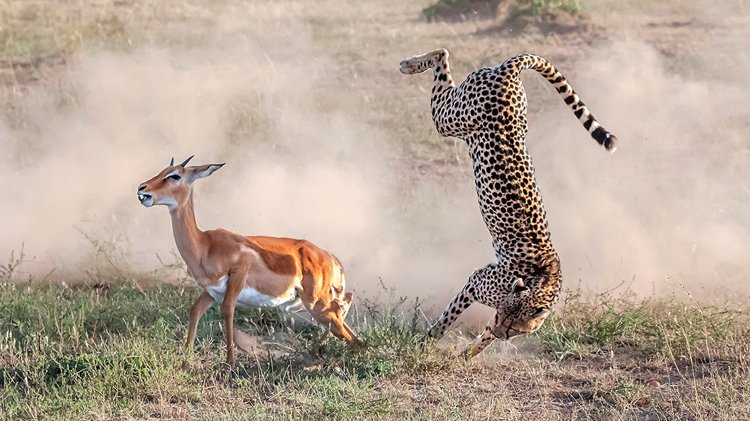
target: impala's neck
187 236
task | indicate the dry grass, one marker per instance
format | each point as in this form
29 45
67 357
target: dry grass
108 351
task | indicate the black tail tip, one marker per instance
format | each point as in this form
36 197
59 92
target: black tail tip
605 138
610 143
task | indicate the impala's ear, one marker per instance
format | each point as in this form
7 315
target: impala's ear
202 171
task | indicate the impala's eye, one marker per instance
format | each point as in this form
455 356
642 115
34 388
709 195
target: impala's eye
175 177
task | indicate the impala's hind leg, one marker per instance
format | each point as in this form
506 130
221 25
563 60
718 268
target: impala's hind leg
332 318
324 298
345 303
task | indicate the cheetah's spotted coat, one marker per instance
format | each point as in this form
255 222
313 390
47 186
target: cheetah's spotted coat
488 111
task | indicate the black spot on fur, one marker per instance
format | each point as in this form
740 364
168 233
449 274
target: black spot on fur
600 135
488 111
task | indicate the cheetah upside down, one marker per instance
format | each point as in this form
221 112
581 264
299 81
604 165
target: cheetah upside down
488 111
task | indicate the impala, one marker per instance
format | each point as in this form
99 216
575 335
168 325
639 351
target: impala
252 271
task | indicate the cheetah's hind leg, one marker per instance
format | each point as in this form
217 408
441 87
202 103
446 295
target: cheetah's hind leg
419 64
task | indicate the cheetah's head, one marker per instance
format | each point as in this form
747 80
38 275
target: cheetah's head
529 301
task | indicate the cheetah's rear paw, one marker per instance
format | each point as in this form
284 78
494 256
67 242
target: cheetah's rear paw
413 65
419 64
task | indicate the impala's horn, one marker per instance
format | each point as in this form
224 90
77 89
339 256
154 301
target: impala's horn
171 163
187 160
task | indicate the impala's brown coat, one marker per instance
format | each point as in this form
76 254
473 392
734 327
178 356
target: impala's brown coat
278 270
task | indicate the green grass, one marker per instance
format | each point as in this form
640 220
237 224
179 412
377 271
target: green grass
38 31
460 9
467 9
538 7
650 327
110 351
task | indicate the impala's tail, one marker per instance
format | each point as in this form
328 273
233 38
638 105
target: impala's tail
516 65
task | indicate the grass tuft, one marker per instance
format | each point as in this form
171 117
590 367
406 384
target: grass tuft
540 7
113 351
650 327
456 10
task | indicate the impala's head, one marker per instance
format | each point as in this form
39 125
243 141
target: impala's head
171 187
528 303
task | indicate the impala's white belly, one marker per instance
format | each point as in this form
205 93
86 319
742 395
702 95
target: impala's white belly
252 298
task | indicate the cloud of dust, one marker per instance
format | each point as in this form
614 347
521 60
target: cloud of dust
299 164
668 211
670 206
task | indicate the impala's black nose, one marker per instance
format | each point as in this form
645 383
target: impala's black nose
142 187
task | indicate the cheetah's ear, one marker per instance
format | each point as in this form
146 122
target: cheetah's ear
518 286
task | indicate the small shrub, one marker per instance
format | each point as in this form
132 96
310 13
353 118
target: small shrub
456 10
651 327
540 7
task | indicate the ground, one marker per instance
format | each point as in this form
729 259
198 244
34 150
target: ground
113 352
109 347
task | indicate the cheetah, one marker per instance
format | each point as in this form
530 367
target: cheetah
488 112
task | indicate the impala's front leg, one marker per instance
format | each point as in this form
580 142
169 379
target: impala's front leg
201 304
235 284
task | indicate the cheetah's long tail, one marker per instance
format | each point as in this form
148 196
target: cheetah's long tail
553 76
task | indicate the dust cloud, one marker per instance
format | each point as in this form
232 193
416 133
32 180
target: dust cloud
669 207
668 211
299 164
